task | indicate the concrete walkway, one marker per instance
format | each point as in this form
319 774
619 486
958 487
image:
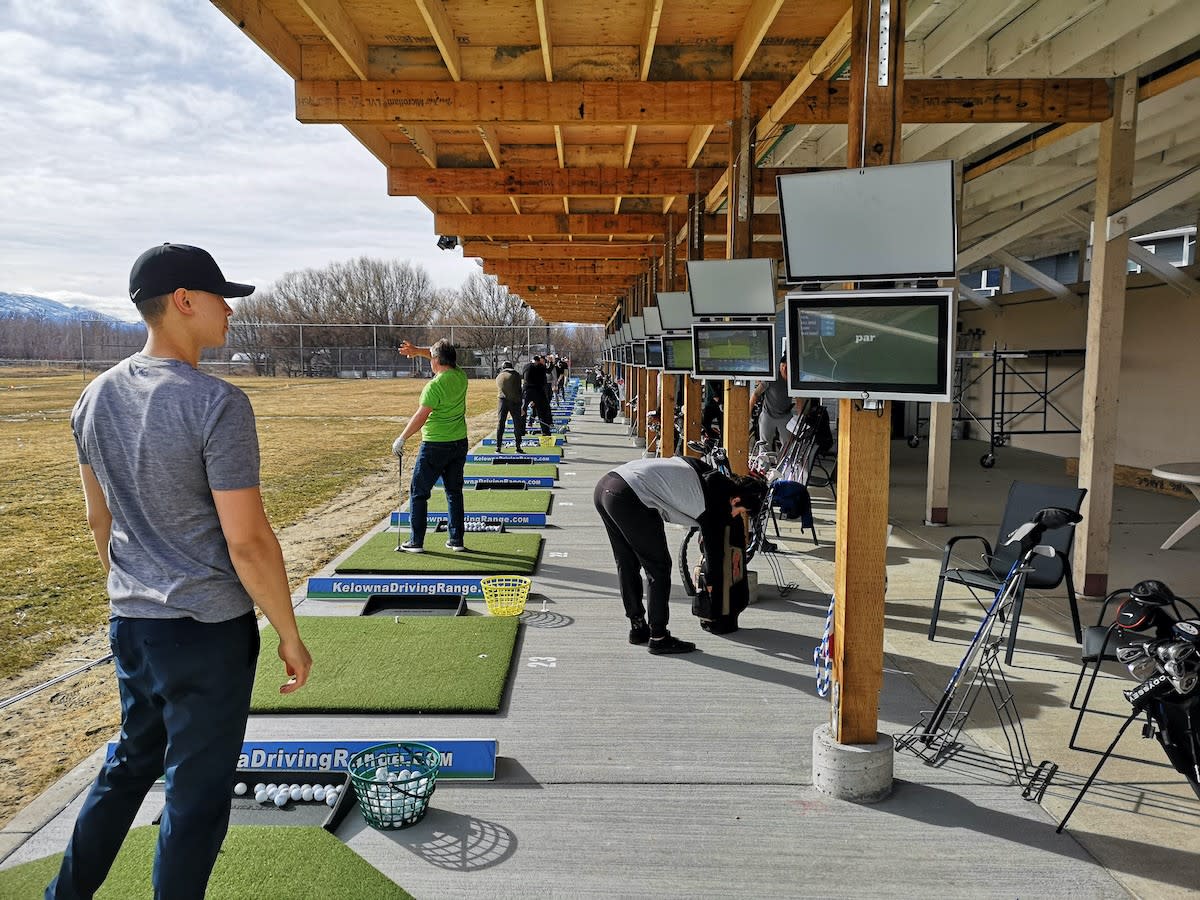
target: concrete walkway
628 775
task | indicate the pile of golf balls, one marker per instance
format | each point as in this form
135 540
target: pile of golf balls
399 795
280 794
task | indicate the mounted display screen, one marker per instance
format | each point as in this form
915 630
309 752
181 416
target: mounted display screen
878 345
675 310
879 223
653 321
639 353
626 333
654 353
677 354
734 350
731 287
637 328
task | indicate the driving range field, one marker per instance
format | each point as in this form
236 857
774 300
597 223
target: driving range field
328 476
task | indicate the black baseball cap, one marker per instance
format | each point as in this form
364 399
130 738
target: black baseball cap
162 269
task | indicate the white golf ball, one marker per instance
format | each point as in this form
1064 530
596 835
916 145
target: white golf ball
331 798
261 796
296 793
319 794
259 787
281 798
271 792
306 793
240 788
305 787
271 786
381 773
328 788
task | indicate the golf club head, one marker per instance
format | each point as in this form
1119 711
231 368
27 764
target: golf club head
1185 684
1177 651
1044 550
1142 667
1188 630
398 447
1019 532
1129 653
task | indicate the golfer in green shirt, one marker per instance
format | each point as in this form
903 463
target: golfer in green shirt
442 417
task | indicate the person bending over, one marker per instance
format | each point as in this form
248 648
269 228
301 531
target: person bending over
634 500
169 461
441 417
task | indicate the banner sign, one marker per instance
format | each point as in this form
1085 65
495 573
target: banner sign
559 440
527 480
536 520
360 587
473 760
529 457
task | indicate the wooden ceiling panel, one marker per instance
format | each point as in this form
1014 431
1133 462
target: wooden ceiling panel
579 23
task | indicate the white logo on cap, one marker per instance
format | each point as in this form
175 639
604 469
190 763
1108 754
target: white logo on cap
133 296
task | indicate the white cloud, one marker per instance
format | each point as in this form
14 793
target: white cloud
127 123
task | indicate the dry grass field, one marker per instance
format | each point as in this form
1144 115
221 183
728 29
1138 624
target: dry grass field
327 476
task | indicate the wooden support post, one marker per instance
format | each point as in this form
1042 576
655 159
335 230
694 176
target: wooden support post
666 416
692 401
643 392
937 476
739 236
652 404
864 436
668 266
1105 333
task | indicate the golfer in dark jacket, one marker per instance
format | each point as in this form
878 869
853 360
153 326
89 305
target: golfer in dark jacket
633 501
508 403
537 391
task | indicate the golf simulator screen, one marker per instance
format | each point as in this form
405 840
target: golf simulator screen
732 287
741 350
677 354
879 345
639 353
654 353
675 310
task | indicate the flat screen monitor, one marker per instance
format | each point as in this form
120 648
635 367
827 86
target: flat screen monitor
637 328
626 333
653 321
879 223
734 350
878 345
639 353
624 354
654 353
677 354
675 310
731 287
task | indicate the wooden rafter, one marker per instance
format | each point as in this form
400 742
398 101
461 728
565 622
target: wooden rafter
340 30
438 22
754 28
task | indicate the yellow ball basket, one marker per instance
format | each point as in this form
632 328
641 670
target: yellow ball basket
505 594
546 440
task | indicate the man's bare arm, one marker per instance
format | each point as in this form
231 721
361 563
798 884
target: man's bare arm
99 518
258 561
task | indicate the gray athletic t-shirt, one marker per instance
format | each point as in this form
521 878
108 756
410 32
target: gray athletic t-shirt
670 486
160 437
776 402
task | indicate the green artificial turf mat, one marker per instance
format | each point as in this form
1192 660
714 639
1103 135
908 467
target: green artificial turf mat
417 664
487 470
482 450
496 501
490 553
255 862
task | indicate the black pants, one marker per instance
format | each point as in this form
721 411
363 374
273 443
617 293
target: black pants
540 399
504 409
639 541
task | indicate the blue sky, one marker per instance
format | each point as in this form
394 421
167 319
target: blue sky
126 123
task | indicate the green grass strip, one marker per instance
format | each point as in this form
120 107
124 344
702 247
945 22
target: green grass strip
418 664
255 862
482 450
509 553
487 470
496 501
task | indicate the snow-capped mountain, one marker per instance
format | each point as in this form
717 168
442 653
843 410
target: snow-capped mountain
27 305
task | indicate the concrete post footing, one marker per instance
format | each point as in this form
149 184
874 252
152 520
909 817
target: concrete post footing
860 773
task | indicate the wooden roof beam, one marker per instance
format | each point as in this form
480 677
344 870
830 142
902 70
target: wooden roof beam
755 25
520 102
564 268
497 250
340 30
649 36
438 23
266 32
580 225
545 181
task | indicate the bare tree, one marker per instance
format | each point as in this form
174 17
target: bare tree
503 320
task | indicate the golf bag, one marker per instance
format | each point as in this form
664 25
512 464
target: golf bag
609 402
722 586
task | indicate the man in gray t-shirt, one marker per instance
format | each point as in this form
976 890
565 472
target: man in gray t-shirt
169 461
777 407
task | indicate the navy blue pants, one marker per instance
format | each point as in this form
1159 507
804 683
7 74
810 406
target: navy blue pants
437 459
185 695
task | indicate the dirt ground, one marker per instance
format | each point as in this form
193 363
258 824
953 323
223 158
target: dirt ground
48 734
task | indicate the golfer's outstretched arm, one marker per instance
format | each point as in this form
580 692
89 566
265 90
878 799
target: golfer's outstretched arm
258 561
407 348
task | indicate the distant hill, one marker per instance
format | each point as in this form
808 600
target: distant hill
27 305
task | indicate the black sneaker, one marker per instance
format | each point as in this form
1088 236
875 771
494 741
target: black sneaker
639 633
520 449
409 547
456 546
670 644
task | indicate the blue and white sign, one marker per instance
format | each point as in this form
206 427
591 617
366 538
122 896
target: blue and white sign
462 759
530 457
527 480
536 520
360 587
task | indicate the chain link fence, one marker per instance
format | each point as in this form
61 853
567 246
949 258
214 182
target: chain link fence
306 350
